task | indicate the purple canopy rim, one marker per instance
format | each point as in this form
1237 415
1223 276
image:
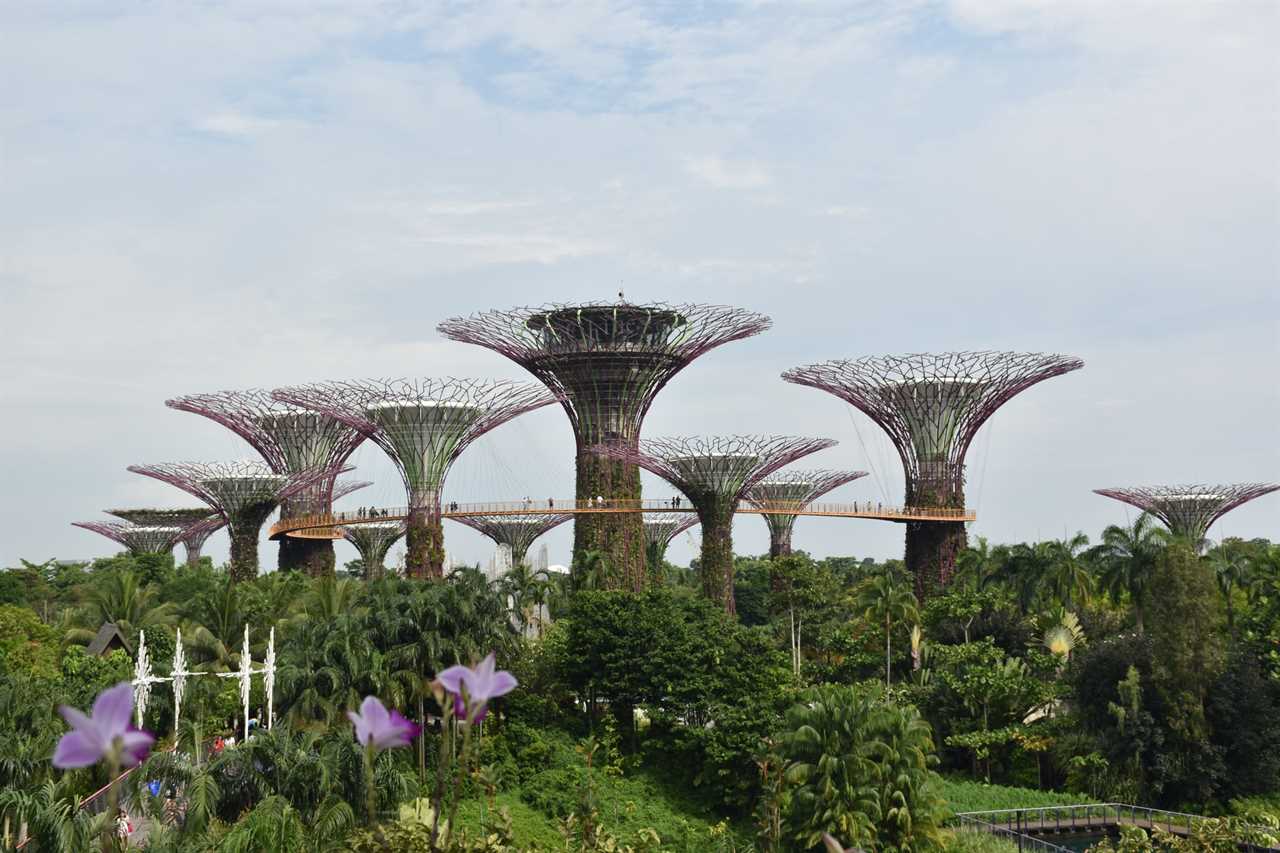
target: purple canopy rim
1189 510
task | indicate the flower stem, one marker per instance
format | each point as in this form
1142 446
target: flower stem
370 789
113 799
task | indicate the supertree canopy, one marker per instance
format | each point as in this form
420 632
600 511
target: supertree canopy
290 440
138 538
792 488
1189 510
659 529
373 540
243 492
607 362
715 473
517 532
197 523
423 425
931 405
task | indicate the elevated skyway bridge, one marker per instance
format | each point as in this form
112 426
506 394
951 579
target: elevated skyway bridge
322 526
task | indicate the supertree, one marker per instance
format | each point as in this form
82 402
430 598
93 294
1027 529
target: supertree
197 523
423 425
373 540
517 532
243 492
931 405
659 529
1189 510
607 362
138 538
715 473
791 488
290 440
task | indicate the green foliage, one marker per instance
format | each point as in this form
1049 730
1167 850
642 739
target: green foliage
858 767
963 795
27 645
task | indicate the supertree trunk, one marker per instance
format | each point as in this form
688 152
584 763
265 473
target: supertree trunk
424 544
717 552
779 546
931 551
193 553
316 557
619 536
244 530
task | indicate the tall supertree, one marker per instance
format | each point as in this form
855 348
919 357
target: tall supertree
1189 510
659 529
715 473
791 488
931 405
423 425
243 492
289 440
137 538
373 540
517 532
197 523
607 362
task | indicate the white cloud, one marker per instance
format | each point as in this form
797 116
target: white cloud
724 175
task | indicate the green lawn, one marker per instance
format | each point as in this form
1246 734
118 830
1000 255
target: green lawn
965 796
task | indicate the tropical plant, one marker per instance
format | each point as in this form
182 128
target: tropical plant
1127 558
884 600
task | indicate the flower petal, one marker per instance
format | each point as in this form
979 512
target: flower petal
398 732
452 678
112 709
135 745
76 749
502 683
362 728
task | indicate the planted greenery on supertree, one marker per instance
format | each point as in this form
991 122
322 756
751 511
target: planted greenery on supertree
243 492
931 405
517 532
289 440
607 363
138 538
792 488
423 425
1189 510
373 540
715 473
659 529
197 523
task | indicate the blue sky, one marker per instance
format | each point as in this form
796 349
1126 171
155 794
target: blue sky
231 195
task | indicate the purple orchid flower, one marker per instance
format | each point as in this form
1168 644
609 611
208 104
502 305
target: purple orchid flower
380 728
479 685
107 731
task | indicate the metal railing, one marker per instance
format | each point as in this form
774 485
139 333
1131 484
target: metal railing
1024 841
320 525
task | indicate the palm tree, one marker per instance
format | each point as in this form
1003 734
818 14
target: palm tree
886 598
1233 570
1069 576
1128 557
978 564
122 598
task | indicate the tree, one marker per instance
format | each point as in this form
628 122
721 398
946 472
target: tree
121 597
859 768
1232 564
1128 556
1069 576
886 599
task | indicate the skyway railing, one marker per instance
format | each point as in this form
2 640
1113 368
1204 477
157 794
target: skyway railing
321 525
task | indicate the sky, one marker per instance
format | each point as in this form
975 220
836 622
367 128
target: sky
228 195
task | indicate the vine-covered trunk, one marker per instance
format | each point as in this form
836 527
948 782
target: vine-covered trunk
193 552
424 544
244 529
314 556
779 546
932 546
716 515
619 536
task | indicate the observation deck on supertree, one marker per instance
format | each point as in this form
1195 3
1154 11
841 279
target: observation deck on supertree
137 538
243 492
791 486
714 474
197 523
423 425
659 529
516 532
290 440
607 363
931 406
373 541
1189 510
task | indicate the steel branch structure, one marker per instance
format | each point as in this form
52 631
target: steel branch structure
137 538
423 425
715 473
931 406
373 540
1189 510
659 529
792 486
607 363
197 523
290 440
243 492
514 531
